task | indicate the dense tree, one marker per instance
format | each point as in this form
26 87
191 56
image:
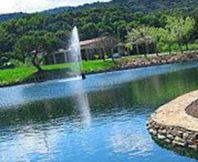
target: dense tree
139 36
180 29
6 41
91 31
35 47
161 37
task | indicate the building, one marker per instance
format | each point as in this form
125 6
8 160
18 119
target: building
61 56
90 49
97 48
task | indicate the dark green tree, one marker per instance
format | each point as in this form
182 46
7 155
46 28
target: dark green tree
36 46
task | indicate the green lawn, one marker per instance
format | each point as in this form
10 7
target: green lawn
88 66
29 74
20 74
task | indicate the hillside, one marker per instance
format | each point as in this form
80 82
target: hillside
131 5
6 17
113 18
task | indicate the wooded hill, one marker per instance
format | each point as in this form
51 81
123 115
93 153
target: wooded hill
113 18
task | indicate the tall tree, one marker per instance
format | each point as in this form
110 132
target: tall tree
35 47
161 37
180 29
137 37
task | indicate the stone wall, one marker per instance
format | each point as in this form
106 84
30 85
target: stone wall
173 135
156 60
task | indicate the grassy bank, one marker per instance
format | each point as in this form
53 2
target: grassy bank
29 74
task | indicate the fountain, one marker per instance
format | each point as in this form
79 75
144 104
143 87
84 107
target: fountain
75 54
80 97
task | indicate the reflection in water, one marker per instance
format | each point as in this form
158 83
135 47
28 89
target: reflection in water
96 82
103 125
179 150
132 139
81 103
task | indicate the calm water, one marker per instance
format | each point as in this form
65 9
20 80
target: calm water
101 119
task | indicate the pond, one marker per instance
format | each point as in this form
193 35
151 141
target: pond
100 119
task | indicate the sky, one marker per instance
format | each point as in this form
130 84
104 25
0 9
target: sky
29 6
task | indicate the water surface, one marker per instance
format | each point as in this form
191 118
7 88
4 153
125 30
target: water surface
101 119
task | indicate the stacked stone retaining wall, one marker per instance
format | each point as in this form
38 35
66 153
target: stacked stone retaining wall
171 123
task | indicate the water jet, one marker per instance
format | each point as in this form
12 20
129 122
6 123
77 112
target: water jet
75 54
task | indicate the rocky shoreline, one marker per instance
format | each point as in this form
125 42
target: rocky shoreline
173 135
172 125
157 60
